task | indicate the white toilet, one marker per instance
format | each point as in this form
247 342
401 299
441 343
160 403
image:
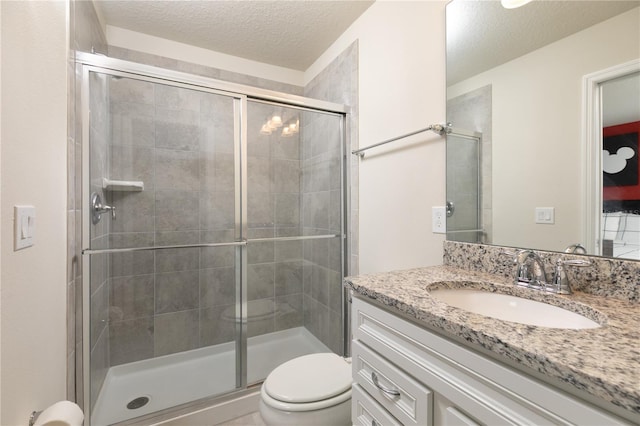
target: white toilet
309 390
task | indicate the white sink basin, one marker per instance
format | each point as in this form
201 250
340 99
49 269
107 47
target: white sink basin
512 308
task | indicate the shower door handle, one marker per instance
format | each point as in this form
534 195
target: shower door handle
98 209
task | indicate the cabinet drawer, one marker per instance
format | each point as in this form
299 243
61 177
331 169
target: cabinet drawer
365 411
405 398
453 417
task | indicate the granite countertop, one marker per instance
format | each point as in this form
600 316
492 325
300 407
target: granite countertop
604 361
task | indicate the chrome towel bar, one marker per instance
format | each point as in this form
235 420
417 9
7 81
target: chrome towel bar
441 129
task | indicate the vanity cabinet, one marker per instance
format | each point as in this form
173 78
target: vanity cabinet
405 374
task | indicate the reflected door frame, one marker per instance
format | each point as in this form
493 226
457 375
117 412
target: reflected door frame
592 149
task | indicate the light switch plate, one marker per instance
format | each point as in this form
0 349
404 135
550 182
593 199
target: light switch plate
545 215
24 221
439 220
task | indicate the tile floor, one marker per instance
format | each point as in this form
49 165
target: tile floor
252 419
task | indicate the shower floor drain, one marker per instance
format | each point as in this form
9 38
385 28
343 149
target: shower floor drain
138 403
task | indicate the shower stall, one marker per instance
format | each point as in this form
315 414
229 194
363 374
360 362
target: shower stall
464 187
213 237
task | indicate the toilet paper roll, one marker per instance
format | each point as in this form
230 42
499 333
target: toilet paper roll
62 413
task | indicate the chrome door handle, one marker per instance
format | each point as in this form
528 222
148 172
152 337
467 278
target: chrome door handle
388 391
98 209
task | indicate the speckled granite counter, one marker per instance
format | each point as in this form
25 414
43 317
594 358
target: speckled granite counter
603 362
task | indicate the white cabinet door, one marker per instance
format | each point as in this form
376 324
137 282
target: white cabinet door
365 411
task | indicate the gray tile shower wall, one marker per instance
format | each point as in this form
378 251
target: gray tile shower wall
321 178
179 142
219 74
274 269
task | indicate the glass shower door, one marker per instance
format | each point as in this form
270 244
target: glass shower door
164 244
294 228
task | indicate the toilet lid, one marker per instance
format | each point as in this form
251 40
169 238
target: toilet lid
309 378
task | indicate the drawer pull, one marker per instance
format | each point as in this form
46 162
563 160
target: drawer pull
388 391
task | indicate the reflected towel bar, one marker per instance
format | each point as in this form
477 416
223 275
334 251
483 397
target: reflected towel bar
440 129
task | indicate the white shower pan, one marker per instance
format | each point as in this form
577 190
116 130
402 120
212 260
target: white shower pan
188 376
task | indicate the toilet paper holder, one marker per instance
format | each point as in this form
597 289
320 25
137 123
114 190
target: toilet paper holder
33 417
62 412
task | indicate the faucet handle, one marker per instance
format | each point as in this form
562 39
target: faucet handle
560 283
576 248
514 254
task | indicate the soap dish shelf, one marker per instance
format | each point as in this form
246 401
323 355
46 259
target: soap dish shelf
122 185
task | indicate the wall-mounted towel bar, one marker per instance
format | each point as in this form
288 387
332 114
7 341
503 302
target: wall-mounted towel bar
440 129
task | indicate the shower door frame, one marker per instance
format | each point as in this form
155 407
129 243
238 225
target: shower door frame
241 95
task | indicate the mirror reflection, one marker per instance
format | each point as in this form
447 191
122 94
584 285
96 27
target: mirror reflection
518 172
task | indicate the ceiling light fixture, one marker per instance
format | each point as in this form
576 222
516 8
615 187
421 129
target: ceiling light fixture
273 123
276 121
512 4
265 130
294 127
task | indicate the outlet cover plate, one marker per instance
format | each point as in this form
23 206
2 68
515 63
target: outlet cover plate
439 220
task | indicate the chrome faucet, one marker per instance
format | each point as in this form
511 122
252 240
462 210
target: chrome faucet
530 272
530 269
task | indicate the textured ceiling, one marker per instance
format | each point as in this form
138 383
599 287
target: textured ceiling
482 35
291 34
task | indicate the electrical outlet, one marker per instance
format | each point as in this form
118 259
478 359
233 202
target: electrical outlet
439 220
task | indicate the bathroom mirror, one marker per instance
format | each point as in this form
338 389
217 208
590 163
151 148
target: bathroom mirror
515 78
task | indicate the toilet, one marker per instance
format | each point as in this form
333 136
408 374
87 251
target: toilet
309 390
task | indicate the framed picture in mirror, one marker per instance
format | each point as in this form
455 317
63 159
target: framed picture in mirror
621 168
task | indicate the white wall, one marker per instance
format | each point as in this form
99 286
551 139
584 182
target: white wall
0 211
537 101
402 89
33 171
